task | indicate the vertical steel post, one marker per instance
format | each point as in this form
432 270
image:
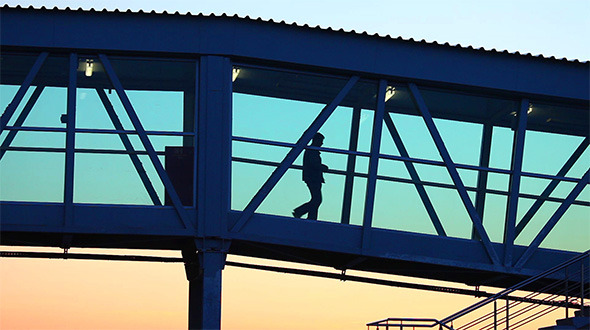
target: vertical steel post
214 145
512 208
70 142
204 301
188 113
350 166
582 285
373 164
195 130
567 294
507 315
189 124
495 314
482 176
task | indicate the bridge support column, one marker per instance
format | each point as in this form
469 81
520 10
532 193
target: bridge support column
204 271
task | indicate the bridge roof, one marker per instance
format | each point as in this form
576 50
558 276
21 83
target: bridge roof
339 51
303 26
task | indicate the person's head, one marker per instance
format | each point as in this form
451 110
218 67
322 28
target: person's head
318 140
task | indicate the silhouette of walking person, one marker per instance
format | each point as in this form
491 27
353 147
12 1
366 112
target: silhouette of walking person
313 176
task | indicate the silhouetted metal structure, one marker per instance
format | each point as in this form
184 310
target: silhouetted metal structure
129 61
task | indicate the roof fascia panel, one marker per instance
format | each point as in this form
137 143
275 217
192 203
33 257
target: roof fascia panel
293 45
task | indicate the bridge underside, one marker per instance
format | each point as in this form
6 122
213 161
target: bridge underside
277 238
257 249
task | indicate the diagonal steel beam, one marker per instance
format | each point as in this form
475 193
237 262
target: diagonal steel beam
415 177
292 155
512 207
553 220
11 108
182 214
452 169
551 187
350 166
21 119
147 183
373 164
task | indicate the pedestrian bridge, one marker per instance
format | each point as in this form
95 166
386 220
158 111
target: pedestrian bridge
444 162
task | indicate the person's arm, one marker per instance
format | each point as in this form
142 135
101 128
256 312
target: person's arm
322 167
314 162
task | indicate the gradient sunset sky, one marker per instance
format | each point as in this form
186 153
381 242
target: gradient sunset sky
69 294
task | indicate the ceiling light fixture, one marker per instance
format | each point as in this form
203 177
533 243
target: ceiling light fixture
389 92
235 73
528 112
89 67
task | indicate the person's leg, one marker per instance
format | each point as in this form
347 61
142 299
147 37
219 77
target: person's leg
302 209
316 199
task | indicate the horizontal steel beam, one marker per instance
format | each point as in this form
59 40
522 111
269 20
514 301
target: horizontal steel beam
82 150
298 167
403 180
407 159
93 219
93 130
389 244
284 270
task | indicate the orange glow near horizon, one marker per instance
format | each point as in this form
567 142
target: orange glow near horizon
83 294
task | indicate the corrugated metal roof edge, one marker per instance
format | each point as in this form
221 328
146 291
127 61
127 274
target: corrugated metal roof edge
258 19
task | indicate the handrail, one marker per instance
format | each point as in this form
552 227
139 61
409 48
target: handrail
404 159
469 309
410 181
430 324
513 288
551 297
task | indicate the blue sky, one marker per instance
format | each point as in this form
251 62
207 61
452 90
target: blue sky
548 27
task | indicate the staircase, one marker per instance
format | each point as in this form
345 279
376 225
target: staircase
568 293
580 320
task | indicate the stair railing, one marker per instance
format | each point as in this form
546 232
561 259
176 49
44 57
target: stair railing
431 322
531 308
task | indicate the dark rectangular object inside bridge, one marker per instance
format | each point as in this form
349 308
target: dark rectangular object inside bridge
179 166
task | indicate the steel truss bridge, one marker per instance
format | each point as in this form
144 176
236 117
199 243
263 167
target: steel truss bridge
186 103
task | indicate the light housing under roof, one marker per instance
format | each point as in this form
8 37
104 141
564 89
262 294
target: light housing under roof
235 73
89 67
389 92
